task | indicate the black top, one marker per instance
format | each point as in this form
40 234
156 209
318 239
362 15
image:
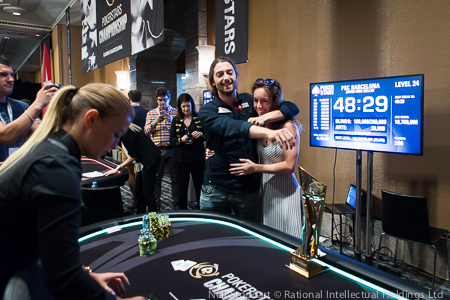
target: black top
227 133
140 115
40 200
187 152
141 147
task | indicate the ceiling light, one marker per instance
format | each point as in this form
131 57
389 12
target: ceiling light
15 10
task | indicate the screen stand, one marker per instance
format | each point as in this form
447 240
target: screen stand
358 205
369 206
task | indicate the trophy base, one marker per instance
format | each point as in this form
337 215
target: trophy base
306 266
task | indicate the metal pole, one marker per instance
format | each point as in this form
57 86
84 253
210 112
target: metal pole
369 205
358 205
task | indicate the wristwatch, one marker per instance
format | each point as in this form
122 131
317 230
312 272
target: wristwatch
119 167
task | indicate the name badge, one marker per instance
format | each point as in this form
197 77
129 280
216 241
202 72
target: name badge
245 105
224 110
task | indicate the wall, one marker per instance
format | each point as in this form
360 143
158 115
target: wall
302 41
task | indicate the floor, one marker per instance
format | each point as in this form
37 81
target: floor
399 269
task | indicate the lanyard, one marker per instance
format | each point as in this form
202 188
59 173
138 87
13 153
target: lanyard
10 114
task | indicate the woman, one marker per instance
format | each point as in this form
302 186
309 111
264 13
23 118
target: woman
187 135
142 150
40 194
280 191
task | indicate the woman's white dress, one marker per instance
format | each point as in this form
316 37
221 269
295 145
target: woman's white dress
280 193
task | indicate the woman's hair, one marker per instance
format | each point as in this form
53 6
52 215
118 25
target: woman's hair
273 88
219 59
67 104
185 97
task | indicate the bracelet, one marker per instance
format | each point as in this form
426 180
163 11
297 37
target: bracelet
119 167
29 116
88 269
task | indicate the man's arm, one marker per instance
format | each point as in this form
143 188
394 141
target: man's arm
288 110
13 131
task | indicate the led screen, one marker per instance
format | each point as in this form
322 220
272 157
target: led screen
378 114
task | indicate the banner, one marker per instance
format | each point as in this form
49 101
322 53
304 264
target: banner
114 29
69 54
232 29
46 67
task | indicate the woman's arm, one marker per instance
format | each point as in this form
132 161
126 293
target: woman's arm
285 167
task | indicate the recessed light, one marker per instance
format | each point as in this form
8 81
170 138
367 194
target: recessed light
15 10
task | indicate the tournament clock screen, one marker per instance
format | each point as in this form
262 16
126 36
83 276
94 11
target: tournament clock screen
381 114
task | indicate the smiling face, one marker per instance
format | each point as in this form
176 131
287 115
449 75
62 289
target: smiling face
225 78
262 101
103 134
6 80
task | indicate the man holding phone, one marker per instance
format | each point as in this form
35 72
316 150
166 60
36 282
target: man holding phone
157 126
17 119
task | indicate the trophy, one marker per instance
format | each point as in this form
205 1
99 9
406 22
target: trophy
313 202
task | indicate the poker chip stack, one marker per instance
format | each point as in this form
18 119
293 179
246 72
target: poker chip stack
164 223
147 243
153 228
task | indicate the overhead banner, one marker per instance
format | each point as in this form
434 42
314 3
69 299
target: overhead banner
232 29
69 55
46 67
114 29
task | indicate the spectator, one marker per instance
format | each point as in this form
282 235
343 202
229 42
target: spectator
17 118
186 134
143 151
157 125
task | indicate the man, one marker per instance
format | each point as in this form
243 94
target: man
157 126
17 118
135 98
229 134
141 113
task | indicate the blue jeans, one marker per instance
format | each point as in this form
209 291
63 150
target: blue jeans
244 205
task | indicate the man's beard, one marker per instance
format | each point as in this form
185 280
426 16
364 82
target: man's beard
228 93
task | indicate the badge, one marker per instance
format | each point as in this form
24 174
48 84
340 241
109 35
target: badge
224 110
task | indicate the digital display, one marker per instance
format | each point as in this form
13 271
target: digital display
207 96
378 114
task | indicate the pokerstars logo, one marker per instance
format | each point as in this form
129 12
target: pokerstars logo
323 89
204 270
110 2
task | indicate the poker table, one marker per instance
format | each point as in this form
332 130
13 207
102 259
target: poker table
216 256
103 202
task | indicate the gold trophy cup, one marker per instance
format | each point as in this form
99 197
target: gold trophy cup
304 259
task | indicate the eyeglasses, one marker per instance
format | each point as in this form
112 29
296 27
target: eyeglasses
266 81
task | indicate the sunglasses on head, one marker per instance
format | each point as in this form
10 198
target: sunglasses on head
266 81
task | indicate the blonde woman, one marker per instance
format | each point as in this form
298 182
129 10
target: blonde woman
40 195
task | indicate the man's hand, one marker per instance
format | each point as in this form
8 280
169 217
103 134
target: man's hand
245 168
258 121
44 95
283 137
209 153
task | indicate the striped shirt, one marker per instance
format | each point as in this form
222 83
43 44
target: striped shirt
161 134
